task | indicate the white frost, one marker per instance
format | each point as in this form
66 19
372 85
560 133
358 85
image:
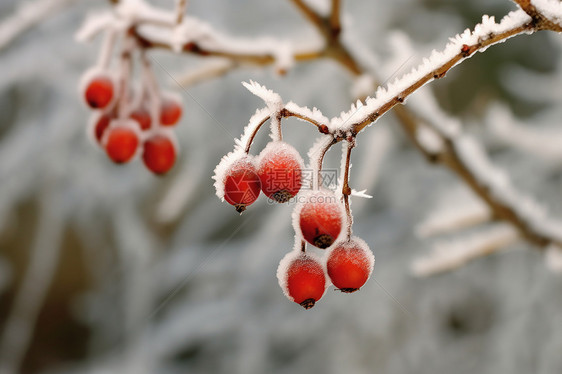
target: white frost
355 244
288 259
223 167
271 99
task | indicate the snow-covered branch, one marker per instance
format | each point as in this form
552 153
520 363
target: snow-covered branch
459 49
545 13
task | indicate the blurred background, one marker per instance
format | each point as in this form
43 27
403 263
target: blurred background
109 269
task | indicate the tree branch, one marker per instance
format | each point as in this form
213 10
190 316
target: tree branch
539 19
335 16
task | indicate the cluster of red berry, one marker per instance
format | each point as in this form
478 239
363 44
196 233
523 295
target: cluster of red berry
277 172
319 219
125 129
348 264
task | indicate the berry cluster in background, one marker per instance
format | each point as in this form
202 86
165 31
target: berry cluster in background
321 218
128 120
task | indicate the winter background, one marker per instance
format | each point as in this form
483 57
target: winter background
108 269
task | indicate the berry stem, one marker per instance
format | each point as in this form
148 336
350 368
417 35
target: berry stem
303 246
254 133
153 91
335 22
181 6
346 190
276 126
283 113
319 162
126 70
107 49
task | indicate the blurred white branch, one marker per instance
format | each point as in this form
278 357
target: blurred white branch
448 255
542 142
454 212
211 69
27 15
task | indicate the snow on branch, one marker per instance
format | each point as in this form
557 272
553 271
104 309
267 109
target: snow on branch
271 99
157 28
545 13
461 47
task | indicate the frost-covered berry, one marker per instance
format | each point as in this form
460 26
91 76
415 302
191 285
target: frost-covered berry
159 153
142 116
99 91
170 111
350 264
121 143
280 171
302 278
320 218
241 184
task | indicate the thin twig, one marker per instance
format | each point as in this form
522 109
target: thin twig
320 161
346 190
335 15
314 18
180 10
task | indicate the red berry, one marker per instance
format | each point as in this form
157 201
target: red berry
242 185
280 171
142 116
320 218
170 111
303 280
159 154
350 264
121 143
99 92
101 125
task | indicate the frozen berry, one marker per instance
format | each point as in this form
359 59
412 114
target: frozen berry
159 153
302 278
99 92
320 218
280 171
350 264
142 116
242 185
170 111
121 143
